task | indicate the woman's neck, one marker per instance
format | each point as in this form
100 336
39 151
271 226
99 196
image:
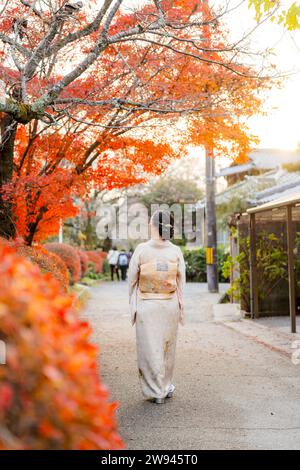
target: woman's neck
158 241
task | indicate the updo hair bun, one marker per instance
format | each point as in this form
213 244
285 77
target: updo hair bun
164 222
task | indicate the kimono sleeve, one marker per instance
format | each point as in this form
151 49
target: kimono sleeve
181 280
133 280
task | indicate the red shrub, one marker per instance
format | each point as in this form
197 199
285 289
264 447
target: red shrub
48 262
50 394
84 261
70 256
97 258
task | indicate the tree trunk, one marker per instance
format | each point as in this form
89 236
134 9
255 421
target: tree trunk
33 226
8 136
211 223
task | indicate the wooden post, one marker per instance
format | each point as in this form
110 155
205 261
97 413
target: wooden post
253 269
291 268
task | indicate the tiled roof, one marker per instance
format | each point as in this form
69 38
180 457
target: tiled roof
287 185
263 159
261 189
284 200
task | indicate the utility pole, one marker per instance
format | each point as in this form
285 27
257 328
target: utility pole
211 222
210 205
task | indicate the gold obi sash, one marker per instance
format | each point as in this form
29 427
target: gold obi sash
157 279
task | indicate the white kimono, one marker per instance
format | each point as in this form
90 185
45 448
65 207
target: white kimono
156 281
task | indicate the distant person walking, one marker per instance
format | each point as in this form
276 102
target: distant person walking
156 283
112 258
123 263
129 254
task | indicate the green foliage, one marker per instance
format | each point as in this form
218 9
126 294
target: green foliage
226 209
240 287
89 281
222 260
105 267
195 261
92 277
289 16
171 190
271 267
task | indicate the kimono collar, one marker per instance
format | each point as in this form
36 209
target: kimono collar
159 243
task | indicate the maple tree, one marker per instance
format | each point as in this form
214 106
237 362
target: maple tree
100 118
223 127
42 194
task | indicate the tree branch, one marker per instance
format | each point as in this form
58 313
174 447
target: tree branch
111 16
7 40
32 7
87 31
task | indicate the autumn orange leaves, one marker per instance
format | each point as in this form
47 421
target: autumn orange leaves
50 393
114 121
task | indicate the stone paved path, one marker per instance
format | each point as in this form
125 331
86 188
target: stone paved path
232 393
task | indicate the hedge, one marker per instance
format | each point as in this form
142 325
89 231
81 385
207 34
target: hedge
97 258
195 261
84 261
70 256
48 262
51 396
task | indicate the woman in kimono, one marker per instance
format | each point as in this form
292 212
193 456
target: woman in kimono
156 281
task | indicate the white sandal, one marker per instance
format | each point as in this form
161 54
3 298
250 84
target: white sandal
171 391
159 401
